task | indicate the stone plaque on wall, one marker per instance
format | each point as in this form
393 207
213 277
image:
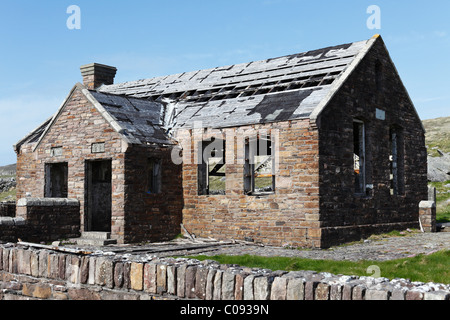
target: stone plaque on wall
98 147
57 152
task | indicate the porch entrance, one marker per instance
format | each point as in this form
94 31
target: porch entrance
98 196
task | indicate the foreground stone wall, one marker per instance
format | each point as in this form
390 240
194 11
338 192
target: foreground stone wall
27 273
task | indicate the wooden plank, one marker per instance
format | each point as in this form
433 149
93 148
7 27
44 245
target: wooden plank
53 248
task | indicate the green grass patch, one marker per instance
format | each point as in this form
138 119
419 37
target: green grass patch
425 268
4 196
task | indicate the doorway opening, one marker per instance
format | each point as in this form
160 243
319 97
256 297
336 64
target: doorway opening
98 196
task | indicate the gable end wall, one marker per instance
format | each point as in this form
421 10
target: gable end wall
344 215
77 127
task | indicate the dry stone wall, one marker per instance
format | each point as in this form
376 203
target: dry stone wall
27 273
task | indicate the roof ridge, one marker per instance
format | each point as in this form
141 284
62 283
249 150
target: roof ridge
146 81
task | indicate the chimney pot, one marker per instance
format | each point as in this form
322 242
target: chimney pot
95 75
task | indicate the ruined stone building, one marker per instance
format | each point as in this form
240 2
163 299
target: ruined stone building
312 149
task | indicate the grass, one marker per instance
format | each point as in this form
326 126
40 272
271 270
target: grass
4 195
424 268
11 192
442 206
437 135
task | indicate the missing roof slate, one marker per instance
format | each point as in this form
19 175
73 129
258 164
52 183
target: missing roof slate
278 107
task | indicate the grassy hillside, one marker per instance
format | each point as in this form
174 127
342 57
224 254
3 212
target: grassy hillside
438 135
438 138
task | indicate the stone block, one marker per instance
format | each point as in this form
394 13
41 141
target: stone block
38 290
126 275
171 279
181 281
322 292
209 294
217 292
414 295
104 272
336 291
53 266
83 294
24 261
310 288
161 278
279 289
137 276
73 269
84 270
118 274
261 287
150 284
347 291
359 292
239 286
377 294
62 266
43 263
5 260
228 281
295 289
248 288
437 295
398 294
92 269
191 272
200 283
34 263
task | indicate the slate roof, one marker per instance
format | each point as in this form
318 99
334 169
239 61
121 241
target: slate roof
278 89
138 118
285 88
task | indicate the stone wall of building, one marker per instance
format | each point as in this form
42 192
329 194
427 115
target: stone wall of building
152 216
77 127
30 274
136 215
345 215
289 216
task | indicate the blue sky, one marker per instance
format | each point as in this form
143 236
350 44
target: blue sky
40 56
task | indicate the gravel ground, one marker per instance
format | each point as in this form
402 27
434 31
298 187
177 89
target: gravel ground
376 249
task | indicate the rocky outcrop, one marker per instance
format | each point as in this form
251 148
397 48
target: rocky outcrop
439 167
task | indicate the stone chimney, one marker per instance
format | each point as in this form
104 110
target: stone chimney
95 75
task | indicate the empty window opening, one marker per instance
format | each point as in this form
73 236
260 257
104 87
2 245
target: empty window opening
153 176
212 167
396 177
56 180
359 156
259 177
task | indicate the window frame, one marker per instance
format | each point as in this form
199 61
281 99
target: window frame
396 161
154 182
209 150
255 148
360 187
49 191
